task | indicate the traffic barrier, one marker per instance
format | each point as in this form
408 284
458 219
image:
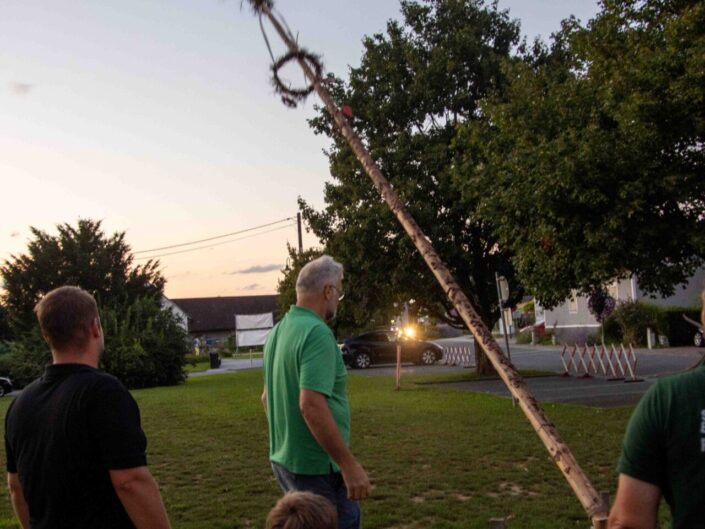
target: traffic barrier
462 356
613 363
631 364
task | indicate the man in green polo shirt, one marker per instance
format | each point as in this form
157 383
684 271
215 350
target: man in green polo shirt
664 455
305 397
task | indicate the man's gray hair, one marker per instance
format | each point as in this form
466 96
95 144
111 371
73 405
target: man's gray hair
315 275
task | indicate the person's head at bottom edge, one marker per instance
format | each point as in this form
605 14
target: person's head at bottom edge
302 510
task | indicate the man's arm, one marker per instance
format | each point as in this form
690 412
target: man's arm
140 496
636 504
19 504
264 399
320 421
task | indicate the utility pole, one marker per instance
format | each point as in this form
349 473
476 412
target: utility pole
298 224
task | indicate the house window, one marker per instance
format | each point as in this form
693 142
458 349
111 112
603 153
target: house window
573 302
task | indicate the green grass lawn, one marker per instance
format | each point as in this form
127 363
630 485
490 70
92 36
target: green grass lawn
437 458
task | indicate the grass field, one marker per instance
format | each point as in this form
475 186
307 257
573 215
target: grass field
438 458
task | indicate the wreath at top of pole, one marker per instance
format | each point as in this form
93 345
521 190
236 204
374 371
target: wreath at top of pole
291 97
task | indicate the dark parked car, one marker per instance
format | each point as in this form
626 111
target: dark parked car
380 347
5 386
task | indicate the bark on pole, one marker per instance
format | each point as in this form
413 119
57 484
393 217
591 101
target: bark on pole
561 454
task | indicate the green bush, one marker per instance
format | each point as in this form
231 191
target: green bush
524 338
229 347
679 331
546 338
612 330
23 361
145 346
193 360
633 318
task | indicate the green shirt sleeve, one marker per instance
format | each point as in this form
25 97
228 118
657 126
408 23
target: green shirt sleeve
644 452
318 361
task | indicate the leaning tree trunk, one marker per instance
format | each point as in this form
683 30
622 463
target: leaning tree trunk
483 364
562 456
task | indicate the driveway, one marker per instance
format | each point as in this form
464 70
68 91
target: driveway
228 364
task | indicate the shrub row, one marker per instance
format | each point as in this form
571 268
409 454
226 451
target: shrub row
629 321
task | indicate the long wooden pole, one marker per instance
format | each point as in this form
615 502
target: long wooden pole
561 454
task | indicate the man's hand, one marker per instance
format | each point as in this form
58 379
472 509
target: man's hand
19 504
636 505
356 481
319 419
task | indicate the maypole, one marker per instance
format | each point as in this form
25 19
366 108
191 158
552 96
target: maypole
589 498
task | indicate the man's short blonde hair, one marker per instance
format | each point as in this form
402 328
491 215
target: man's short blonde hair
315 275
302 510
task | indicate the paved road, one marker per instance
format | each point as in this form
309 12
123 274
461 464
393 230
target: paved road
596 391
651 364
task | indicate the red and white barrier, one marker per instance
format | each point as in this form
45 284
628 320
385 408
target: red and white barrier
613 363
462 356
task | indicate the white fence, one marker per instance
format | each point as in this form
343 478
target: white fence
461 356
613 363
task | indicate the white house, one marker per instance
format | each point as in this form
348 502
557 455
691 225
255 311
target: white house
181 316
572 322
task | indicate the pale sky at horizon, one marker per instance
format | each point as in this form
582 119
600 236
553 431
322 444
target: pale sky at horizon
159 119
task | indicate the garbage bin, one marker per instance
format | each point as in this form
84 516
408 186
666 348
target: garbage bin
215 360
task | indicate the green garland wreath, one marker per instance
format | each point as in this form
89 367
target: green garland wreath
292 96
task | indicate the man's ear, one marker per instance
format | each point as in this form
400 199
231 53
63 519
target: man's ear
95 328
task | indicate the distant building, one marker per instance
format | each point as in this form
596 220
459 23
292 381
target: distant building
572 322
214 318
181 316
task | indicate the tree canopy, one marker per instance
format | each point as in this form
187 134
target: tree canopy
590 164
78 255
144 344
415 84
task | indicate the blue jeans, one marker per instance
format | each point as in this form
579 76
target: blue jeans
330 486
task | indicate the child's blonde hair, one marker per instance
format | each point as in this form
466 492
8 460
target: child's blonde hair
302 510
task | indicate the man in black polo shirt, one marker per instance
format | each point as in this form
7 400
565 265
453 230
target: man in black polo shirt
75 447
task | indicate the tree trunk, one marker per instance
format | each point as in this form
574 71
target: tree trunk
483 365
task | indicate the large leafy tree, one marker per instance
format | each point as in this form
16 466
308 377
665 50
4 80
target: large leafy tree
591 164
80 255
5 332
144 345
416 83
286 287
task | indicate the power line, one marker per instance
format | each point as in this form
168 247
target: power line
212 238
217 244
